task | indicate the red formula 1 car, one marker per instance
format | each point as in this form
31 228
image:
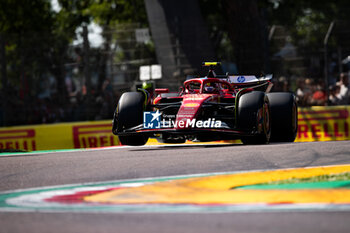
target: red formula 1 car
210 108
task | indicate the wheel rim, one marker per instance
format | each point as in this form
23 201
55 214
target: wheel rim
267 125
295 118
264 126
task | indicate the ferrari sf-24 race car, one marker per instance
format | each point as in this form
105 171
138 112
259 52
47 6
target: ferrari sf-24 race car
210 108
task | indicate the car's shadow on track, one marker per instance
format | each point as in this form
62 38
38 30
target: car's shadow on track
191 146
196 146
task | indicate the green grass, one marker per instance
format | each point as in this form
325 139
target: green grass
322 178
341 180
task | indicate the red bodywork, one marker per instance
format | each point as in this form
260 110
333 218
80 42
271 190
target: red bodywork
200 99
192 100
215 107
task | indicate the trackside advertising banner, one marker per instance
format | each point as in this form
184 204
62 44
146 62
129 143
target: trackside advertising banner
58 136
315 124
323 124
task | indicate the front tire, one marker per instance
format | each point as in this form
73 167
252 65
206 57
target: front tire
284 117
128 114
254 117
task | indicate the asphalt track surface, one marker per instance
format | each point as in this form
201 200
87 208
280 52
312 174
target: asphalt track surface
47 169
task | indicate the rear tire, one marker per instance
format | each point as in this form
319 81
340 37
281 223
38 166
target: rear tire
254 117
284 117
128 114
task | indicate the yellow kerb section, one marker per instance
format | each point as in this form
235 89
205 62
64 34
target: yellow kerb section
219 189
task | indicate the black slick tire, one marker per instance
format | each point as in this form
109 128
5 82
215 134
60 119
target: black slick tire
284 117
253 116
128 114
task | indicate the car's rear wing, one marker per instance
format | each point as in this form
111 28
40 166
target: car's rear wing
248 79
251 81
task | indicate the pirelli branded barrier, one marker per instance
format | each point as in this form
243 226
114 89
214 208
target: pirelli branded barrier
315 124
58 136
323 124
